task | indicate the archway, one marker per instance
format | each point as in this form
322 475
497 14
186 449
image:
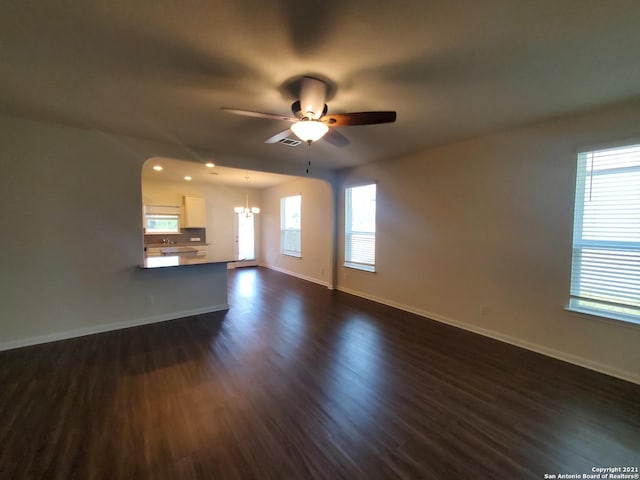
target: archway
171 186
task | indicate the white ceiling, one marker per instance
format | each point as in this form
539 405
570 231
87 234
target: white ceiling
174 170
452 69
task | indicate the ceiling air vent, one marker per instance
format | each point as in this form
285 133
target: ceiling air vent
290 142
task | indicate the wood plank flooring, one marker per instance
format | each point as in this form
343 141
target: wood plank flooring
299 382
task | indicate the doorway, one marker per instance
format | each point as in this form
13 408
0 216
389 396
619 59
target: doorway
246 237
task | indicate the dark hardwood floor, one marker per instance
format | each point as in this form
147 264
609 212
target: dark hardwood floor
299 382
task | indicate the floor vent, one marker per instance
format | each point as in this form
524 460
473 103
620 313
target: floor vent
290 142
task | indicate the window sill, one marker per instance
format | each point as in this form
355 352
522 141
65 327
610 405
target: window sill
600 316
294 255
364 268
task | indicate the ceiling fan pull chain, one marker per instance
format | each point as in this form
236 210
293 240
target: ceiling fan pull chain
308 160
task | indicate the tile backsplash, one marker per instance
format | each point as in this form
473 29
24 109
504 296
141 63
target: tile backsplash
184 236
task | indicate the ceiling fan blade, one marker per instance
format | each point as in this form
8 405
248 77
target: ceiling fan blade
336 139
250 113
359 118
279 136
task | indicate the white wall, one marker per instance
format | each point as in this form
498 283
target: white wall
221 223
316 230
489 222
72 238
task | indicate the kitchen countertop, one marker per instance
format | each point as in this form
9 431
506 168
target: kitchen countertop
167 261
178 244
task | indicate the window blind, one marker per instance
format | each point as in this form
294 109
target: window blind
605 272
360 227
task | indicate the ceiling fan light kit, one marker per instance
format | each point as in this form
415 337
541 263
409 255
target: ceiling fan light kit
309 130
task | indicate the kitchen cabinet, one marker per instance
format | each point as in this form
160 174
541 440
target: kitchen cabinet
194 212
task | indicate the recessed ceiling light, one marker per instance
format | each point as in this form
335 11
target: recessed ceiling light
187 178
209 164
157 168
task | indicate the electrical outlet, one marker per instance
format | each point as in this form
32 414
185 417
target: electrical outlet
149 300
484 309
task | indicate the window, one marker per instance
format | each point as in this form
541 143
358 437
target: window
161 219
157 223
360 227
246 237
605 271
290 214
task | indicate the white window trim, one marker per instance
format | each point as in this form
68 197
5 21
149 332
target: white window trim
283 251
162 232
574 306
360 266
365 267
598 317
171 211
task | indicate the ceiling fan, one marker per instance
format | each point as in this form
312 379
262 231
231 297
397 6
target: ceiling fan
310 121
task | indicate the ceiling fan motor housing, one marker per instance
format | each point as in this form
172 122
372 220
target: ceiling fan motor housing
296 108
313 94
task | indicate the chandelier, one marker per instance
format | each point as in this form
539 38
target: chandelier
246 211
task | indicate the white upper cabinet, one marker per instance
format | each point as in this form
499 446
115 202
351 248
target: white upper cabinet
194 212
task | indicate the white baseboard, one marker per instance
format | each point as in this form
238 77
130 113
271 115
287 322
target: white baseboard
81 332
297 275
549 352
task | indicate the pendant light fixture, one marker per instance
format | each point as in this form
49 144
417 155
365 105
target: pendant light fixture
246 211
